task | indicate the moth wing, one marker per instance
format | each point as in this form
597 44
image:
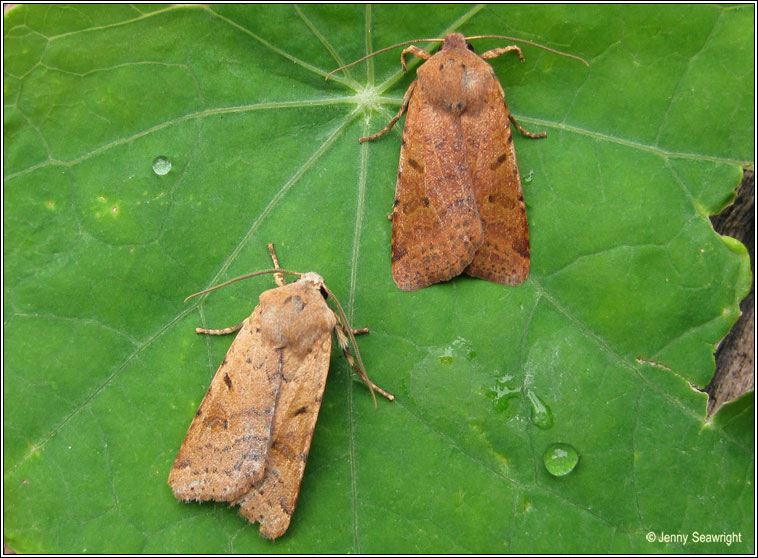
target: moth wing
503 256
226 447
273 500
435 222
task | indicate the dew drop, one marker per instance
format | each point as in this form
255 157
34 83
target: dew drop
542 416
459 347
505 389
161 166
560 459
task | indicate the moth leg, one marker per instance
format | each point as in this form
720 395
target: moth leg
495 52
360 331
403 108
278 277
343 342
413 49
527 134
225 331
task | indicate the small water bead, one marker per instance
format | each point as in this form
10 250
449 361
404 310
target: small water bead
161 166
541 416
560 459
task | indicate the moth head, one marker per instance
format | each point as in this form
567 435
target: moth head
313 278
455 41
317 281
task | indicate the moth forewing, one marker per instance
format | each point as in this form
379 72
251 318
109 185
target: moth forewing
226 447
503 256
435 222
305 334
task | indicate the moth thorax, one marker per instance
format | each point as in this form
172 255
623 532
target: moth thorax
456 82
295 316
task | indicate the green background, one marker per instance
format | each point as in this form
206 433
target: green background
629 292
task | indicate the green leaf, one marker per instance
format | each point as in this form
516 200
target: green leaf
629 292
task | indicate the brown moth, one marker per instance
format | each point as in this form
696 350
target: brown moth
458 204
249 440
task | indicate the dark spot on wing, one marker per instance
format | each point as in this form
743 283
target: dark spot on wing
499 161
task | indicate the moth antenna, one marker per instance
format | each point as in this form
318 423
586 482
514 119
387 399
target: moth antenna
504 37
346 331
528 42
241 277
385 49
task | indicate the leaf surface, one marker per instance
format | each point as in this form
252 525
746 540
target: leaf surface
629 292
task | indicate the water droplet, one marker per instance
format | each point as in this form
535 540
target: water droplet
161 166
542 416
560 459
505 389
529 177
457 348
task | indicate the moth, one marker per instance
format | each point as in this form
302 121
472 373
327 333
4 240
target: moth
459 205
249 440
